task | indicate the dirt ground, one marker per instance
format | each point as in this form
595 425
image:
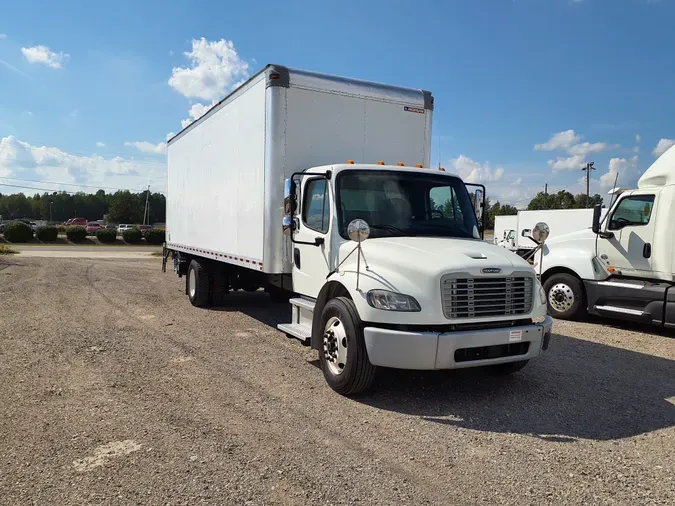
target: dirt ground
116 391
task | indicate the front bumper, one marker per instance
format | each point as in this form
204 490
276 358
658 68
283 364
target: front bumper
454 350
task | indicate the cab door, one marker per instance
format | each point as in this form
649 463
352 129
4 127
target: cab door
628 241
311 239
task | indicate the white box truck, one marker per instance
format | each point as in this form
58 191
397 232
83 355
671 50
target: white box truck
317 188
504 232
622 267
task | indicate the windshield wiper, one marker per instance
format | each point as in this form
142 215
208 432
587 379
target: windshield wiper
389 228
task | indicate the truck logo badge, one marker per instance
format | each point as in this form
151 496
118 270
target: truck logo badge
491 270
418 110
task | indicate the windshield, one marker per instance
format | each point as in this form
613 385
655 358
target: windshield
406 204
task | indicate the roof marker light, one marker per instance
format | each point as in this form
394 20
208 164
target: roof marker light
380 162
350 162
441 169
419 165
400 164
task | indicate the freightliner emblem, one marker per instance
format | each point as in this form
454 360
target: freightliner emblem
491 270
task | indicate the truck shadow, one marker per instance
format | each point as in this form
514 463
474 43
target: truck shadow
578 389
256 305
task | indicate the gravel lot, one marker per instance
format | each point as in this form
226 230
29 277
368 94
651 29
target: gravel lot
116 391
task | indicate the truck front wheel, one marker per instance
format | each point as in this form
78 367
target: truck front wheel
564 296
343 354
198 284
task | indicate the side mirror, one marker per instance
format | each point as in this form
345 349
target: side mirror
478 203
290 199
540 232
358 230
288 225
596 219
526 232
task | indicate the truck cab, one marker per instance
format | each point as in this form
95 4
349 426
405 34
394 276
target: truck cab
622 267
390 269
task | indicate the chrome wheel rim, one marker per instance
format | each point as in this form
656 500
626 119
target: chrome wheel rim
192 283
561 297
335 345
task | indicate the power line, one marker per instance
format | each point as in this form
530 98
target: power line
63 184
61 190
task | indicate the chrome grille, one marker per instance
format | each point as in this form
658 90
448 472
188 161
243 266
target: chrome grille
466 297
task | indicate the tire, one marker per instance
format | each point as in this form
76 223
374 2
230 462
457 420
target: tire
347 371
507 368
565 297
197 284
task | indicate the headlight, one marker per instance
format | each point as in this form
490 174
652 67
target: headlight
542 293
392 301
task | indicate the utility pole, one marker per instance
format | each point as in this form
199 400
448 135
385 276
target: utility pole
589 167
50 212
146 211
546 196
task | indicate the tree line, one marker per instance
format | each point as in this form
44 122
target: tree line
563 200
119 207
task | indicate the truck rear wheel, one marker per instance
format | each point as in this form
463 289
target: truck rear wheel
343 354
198 284
564 297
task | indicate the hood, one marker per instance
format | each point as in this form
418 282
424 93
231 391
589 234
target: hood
436 255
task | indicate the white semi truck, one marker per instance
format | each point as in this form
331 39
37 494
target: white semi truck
622 267
317 188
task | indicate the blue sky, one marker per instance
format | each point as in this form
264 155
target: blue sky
526 90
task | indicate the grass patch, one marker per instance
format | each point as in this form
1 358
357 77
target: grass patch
156 253
6 250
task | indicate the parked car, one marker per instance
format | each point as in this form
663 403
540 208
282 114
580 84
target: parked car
122 227
92 228
144 228
2 227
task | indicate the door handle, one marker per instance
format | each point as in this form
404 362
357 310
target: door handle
647 250
296 258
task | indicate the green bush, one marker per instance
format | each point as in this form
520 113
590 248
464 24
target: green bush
61 229
76 233
106 235
132 235
18 231
47 233
155 236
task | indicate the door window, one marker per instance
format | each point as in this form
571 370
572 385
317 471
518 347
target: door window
632 211
315 211
444 201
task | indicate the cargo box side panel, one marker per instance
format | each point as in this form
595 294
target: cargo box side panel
329 128
216 181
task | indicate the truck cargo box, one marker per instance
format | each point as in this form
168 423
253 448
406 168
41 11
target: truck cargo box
226 170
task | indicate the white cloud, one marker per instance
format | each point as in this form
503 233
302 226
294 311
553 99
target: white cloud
42 54
170 135
22 160
3 36
100 144
561 140
586 147
628 172
215 68
662 146
196 112
638 138
148 147
574 162
517 181
474 172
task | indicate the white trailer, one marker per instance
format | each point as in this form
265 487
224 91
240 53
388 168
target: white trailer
279 185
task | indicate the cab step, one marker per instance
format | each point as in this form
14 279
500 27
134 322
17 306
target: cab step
302 311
